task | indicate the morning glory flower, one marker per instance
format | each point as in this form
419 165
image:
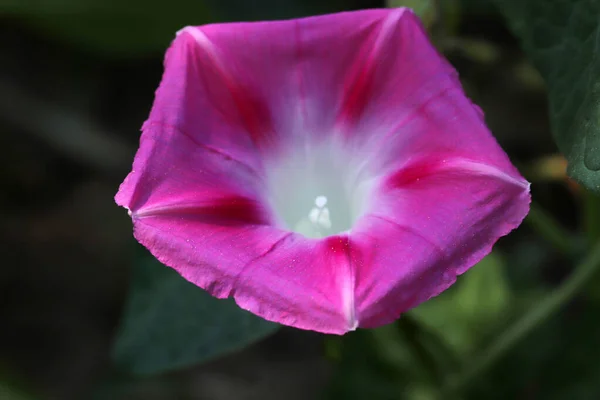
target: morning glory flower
327 173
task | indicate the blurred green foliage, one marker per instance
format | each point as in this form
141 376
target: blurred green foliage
471 309
400 361
559 360
170 324
8 392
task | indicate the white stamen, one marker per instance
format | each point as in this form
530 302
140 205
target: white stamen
324 220
313 216
321 201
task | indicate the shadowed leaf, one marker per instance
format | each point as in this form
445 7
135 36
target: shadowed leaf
169 323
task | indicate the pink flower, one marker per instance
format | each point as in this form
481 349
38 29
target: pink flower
328 172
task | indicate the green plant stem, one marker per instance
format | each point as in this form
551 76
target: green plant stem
551 231
591 216
523 326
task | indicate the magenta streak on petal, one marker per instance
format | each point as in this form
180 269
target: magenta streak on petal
427 167
433 230
478 168
299 70
383 143
252 111
358 87
226 209
342 253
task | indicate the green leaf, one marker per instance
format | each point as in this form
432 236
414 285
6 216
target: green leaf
473 307
562 38
170 323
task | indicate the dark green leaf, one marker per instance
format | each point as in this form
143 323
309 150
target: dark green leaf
169 323
562 40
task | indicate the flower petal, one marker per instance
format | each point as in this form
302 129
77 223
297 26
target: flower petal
430 222
205 214
199 98
396 97
304 283
172 170
280 276
294 80
374 67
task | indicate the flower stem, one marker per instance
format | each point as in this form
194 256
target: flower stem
592 216
551 231
523 326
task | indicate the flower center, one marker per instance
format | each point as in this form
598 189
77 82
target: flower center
317 190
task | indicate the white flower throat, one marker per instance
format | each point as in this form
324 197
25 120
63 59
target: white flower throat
317 191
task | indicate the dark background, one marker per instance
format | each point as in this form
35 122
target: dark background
77 79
